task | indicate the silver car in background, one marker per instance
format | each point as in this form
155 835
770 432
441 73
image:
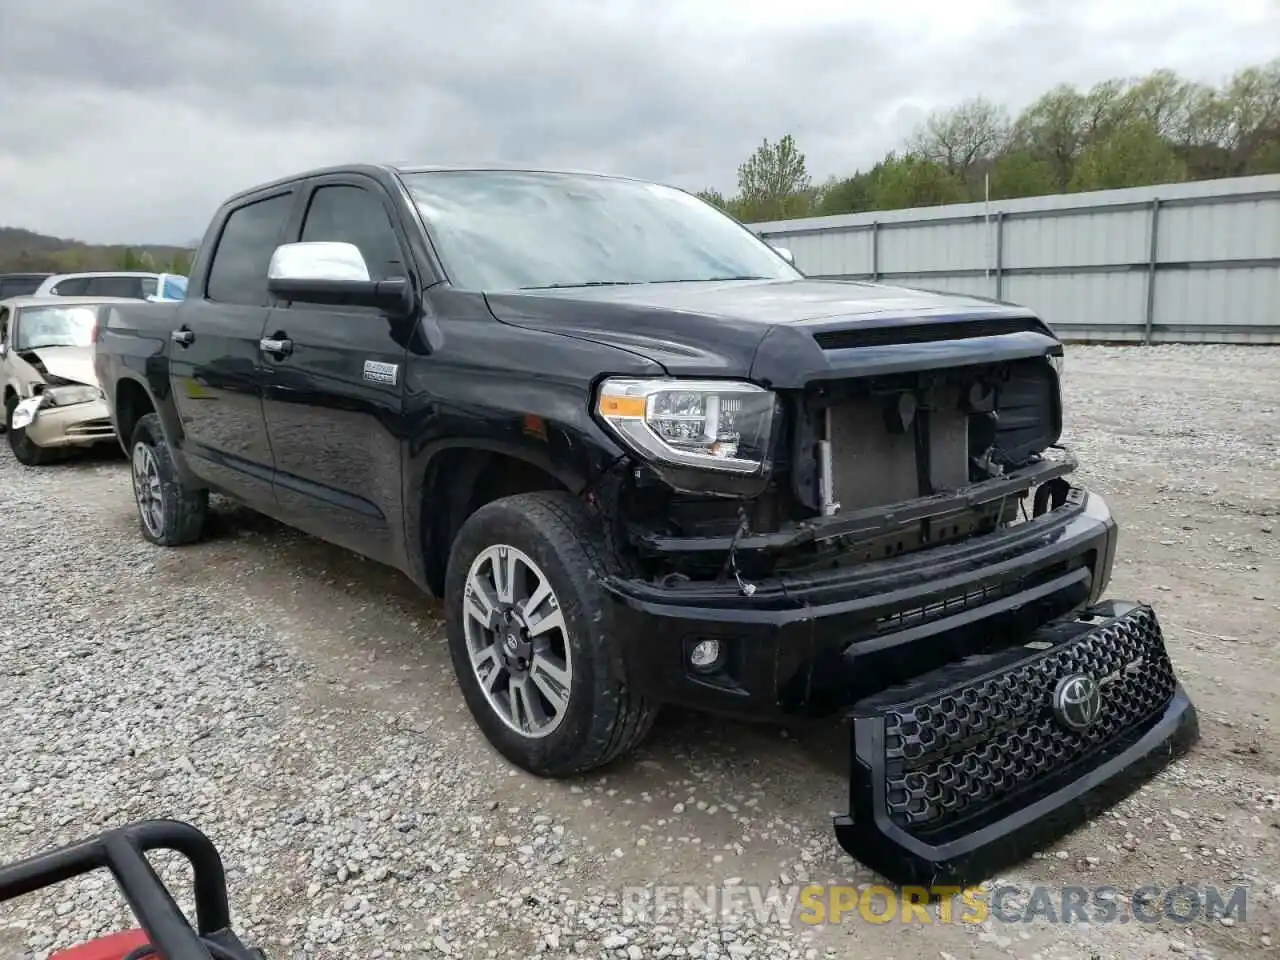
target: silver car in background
130 284
52 400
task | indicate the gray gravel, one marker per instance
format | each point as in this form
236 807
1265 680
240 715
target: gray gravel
295 702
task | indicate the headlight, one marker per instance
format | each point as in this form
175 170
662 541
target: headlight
65 396
722 425
1059 362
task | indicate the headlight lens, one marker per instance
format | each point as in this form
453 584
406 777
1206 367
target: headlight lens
1059 362
75 393
722 425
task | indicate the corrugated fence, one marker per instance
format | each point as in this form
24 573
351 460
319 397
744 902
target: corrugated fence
1177 263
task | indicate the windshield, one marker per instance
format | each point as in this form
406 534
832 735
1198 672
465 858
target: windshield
55 327
498 230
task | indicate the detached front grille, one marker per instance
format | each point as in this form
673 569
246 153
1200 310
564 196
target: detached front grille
979 736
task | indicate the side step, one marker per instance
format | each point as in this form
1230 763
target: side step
972 767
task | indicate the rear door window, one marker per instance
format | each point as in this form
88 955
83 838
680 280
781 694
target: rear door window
130 287
238 273
74 287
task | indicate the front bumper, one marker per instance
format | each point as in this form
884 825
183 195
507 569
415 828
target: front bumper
814 646
77 424
971 768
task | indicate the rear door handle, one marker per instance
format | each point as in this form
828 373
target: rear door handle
277 348
183 337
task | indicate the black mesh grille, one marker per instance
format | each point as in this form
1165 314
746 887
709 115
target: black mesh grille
956 753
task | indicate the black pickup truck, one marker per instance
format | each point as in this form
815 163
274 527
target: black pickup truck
644 460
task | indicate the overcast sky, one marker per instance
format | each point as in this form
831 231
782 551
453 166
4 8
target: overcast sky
130 121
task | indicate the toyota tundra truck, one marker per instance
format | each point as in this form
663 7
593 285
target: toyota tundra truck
642 460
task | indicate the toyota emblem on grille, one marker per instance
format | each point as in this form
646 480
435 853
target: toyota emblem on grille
1077 702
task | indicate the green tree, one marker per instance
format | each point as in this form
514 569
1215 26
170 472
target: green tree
1132 156
773 183
848 195
713 197
1020 173
1267 157
131 259
1252 114
964 139
910 181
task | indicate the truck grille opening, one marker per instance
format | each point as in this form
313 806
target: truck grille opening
897 334
895 440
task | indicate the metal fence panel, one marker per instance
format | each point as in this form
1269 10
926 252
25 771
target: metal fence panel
1188 262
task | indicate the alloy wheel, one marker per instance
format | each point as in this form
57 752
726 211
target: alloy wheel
148 490
517 640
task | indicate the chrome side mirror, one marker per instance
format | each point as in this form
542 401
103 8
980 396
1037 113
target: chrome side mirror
785 254
318 260
334 274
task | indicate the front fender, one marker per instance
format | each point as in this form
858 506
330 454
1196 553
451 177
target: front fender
496 389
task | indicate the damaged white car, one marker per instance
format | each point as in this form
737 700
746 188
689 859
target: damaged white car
53 404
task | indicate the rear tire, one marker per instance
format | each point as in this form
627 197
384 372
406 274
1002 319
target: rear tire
168 514
27 451
553 699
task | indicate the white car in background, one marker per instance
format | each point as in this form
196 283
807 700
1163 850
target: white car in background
52 402
129 284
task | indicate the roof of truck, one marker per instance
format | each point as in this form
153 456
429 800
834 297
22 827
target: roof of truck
378 170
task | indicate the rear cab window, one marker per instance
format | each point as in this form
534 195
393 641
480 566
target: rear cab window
238 271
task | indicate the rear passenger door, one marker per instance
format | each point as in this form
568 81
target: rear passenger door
216 365
331 420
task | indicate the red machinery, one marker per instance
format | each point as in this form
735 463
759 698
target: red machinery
164 933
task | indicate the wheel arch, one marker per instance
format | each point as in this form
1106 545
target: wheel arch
460 476
132 403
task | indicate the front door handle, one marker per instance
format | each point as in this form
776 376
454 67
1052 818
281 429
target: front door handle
183 337
277 348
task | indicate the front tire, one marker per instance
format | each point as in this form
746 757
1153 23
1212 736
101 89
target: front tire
24 448
168 514
530 639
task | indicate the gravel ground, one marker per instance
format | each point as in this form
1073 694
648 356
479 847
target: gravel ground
295 702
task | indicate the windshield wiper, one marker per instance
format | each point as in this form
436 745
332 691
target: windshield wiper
586 283
633 283
707 279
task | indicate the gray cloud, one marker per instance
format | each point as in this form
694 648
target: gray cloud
130 122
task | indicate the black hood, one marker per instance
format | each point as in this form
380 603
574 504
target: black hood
718 328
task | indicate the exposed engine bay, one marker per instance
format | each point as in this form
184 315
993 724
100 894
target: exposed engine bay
870 468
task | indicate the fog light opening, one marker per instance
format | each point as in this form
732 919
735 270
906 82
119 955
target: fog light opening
707 655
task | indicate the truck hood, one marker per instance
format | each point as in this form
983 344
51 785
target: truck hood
66 363
783 333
